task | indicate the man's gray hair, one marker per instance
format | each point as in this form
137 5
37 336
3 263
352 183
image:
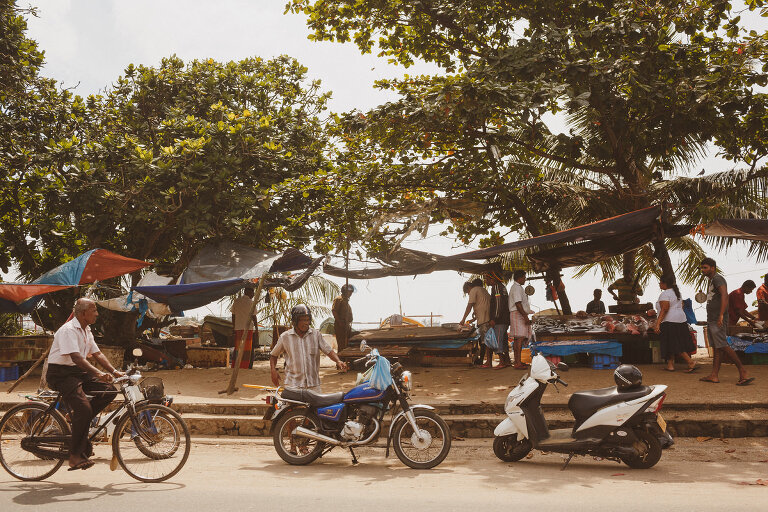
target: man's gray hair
82 304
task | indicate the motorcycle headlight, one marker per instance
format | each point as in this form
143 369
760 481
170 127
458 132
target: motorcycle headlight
406 380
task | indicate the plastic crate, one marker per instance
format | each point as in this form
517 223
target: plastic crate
603 362
9 373
758 358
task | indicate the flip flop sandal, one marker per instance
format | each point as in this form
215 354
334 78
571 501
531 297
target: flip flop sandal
691 370
668 370
745 382
485 366
81 465
707 379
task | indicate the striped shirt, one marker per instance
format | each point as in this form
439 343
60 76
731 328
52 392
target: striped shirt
302 357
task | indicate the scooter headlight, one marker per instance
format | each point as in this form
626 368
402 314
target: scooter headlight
406 380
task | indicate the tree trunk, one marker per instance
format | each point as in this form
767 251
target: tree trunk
661 254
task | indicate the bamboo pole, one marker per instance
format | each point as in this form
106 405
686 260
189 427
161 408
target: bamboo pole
241 342
31 369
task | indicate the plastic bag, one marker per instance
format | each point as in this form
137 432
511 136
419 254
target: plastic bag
690 316
381 376
491 341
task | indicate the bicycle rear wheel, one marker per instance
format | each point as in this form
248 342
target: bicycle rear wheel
17 425
153 445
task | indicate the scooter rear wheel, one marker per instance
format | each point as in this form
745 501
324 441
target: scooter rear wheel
509 449
648 451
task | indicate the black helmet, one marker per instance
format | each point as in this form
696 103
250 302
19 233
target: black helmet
299 311
627 376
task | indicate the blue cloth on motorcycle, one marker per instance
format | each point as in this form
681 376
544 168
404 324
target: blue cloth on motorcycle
491 342
381 376
566 348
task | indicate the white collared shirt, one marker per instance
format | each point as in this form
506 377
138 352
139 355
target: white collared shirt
70 338
302 357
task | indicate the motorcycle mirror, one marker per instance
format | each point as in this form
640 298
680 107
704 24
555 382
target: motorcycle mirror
562 366
363 346
137 352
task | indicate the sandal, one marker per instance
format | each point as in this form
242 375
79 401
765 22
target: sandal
745 382
692 369
84 464
485 366
669 370
707 379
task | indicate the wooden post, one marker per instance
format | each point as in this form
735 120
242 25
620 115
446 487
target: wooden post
241 342
37 363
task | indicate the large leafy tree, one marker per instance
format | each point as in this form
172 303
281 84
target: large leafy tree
644 91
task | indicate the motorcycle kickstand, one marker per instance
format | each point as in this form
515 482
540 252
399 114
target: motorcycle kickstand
567 461
355 462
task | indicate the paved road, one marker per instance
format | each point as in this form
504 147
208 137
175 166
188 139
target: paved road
222 475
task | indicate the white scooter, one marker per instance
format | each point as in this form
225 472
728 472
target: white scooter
617 424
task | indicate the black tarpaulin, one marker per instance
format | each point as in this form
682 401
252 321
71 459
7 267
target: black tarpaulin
409 262
744 229
638 220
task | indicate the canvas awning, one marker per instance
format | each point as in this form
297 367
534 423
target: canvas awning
744 229
94 265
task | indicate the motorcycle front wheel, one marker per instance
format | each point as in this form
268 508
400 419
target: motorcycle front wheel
510 449
426 448
294 449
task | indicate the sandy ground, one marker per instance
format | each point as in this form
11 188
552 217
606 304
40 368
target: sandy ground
459 384
248 475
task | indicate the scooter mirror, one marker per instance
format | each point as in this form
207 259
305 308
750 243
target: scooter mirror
562 367
137 352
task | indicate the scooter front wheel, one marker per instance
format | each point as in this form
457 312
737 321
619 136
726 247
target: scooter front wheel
647 451
510 449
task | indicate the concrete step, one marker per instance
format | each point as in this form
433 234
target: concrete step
691 424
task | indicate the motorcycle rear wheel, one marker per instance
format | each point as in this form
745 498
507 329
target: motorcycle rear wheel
648 451
408 446
510 449
294 449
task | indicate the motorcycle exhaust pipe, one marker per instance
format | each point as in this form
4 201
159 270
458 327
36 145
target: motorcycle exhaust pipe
311 434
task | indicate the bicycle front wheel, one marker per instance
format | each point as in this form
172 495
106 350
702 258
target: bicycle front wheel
153 445
35 458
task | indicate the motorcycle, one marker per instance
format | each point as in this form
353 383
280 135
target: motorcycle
610 423
307 425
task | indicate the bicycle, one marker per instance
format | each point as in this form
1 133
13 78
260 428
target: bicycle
150 441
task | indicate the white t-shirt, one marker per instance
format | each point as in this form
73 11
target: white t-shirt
517 294
70 338
241 308
675 313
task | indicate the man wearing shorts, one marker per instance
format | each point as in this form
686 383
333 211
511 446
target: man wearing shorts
717 324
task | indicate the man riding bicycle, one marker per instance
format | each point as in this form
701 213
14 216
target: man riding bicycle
73 376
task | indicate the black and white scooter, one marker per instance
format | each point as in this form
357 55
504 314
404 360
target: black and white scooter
620 423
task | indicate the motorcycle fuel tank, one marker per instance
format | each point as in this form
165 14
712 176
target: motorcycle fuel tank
363 393
332 412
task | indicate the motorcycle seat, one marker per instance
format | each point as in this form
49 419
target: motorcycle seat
311 397
584 404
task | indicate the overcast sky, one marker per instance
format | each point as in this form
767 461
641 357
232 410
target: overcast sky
88 44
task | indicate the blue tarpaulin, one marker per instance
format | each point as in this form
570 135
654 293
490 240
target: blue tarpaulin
180 297
566 348
757 348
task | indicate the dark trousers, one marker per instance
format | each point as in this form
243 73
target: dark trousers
73 384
